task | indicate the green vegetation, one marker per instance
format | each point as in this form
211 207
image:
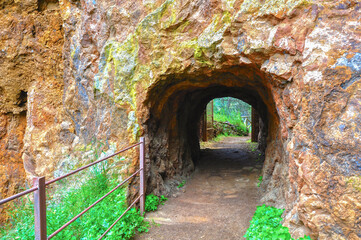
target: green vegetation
266 224
227 116
181 184
355 181
152 202
253 146
220 137
233 119
259 181
70 201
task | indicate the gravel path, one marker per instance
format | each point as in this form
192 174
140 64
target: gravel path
217 202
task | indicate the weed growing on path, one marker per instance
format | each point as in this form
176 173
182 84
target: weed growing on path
152 202
181 184
253 146
266 224
220 137
259 181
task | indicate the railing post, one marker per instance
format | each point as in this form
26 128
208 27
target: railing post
142 184
40 208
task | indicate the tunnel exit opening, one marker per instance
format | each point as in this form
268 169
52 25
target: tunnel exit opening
225 117
227 130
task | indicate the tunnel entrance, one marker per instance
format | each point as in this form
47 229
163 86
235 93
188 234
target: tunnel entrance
222 174
177 102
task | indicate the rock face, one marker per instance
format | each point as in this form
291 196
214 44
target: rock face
31 89
149 68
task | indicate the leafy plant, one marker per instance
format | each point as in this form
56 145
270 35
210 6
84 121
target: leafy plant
266 224
181 184
253 146
227 116
152 202
259 181
305 238
68 202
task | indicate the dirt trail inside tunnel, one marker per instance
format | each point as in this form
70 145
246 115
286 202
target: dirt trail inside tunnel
219 199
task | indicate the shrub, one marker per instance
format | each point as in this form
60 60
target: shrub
69 202
152 202
266 224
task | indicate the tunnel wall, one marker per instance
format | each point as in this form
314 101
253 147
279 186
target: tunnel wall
124 63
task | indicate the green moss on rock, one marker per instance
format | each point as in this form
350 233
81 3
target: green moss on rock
355 182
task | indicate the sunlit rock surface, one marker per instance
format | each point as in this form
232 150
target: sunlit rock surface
31 89
132 68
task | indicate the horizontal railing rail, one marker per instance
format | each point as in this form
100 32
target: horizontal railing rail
2 201
39 190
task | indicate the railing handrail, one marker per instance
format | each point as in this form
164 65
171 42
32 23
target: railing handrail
91 164
13 197
40 198
91 206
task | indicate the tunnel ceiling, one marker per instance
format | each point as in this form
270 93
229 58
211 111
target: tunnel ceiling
239 82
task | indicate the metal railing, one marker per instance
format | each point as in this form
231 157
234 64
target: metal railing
39 190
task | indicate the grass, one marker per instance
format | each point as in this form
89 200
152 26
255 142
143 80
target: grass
181 184
266 224
152 202
220 137
259 181
71 201
253 146
234 119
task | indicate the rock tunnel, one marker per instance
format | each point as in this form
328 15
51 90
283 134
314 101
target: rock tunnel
111 71
175 107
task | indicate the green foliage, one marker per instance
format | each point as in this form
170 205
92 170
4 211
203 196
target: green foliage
22 220
181 184
152 202
305 238
234 119
266 224
219 137
229 110
355 182
71 201
228 106
259 181
253 146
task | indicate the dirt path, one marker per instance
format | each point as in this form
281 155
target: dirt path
217 202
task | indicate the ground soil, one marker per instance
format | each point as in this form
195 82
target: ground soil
218 201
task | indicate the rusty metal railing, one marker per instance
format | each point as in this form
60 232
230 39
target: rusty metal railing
39 190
